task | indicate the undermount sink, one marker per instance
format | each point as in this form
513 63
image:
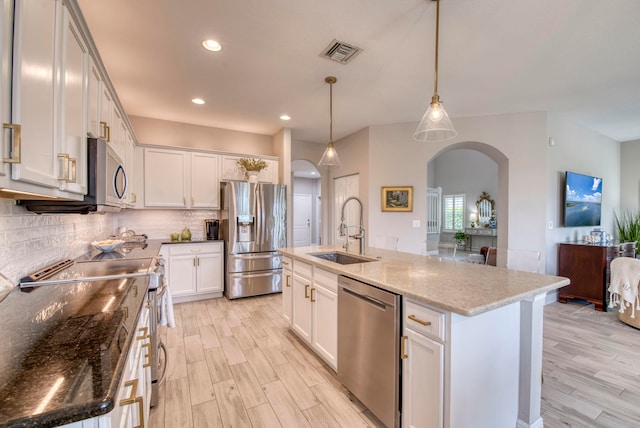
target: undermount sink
342 258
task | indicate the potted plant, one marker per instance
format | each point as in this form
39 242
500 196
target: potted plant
461 238
628 226
252 167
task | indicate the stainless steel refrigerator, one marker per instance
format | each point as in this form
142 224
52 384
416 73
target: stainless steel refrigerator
253 226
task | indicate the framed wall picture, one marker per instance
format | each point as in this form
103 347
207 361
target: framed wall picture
397 198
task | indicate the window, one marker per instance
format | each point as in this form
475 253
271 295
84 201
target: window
453 207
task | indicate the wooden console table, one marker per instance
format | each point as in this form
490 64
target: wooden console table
587 266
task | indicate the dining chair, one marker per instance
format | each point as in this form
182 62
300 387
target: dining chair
447 250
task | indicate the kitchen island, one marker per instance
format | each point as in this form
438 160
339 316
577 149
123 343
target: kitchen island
489 323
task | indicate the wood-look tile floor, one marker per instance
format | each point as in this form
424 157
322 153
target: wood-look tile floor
236 364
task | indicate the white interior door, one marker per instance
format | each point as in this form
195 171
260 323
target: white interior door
301 220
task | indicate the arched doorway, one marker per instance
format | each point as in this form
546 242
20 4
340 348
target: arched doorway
306 193
468 169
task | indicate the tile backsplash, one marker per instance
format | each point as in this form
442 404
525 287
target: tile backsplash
160 224
30 241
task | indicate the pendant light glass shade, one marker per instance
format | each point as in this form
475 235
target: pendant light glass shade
330 156
435 124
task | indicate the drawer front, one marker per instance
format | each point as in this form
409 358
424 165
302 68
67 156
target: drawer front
424 320
287 262
186 249
302 269
326 279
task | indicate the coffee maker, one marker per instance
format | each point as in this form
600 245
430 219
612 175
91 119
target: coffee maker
211 228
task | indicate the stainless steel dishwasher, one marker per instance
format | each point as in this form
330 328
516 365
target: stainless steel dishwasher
368 347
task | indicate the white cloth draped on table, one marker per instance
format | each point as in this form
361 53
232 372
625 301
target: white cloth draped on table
166 306
623 288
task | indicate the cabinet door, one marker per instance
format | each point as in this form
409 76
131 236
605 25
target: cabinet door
209 272
325 324
6 37
33 92
230 169
164 178
301 307
72 153
287 277
130 168
106 100
422 382
270 173
94 85
205 185
182 275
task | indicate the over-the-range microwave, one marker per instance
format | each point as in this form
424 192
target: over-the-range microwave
106 185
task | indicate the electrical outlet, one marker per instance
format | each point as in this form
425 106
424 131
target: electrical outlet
550 225
416 224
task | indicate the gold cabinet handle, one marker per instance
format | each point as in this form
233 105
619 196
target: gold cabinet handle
285 263
288 282
306 291
15 150
419 321
73 170
313 299
403 348
148 345
108 132
103 130
65 167
133 398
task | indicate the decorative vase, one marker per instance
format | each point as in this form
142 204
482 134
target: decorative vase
252 176
186 234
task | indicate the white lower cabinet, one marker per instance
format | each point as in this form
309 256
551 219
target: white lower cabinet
314 298
287 278
195 270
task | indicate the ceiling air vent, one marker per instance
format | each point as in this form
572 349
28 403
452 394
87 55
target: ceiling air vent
340 52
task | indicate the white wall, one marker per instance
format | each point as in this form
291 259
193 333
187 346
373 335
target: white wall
629 176
580 150
519 138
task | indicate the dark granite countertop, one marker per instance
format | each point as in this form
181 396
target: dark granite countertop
67 343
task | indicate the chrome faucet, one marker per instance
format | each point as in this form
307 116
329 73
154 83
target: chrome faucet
344 229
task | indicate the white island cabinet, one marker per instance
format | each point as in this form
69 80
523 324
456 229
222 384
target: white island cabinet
314 302
471 335
287 277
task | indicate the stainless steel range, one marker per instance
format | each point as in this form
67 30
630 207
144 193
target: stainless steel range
89 269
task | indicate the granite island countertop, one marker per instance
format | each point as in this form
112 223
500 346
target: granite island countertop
458 286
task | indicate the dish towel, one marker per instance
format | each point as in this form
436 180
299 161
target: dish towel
166 306
625 276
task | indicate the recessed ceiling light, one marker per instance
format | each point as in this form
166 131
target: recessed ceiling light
198 101
285 117
212 45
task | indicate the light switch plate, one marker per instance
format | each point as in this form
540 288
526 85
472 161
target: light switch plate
416 224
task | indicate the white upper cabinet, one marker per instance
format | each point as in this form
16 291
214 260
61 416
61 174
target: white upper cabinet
94 89
34 59
205 186
179 179
6 29
72 141
165 178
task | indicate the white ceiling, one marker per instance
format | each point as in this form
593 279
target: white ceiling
576 57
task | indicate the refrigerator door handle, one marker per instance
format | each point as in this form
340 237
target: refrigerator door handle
254 256
259 219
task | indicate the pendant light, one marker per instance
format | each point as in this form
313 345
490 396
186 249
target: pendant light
435 124
330 156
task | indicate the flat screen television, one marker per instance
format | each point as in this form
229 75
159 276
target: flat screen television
582 200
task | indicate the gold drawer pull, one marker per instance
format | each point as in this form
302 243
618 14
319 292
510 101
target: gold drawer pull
285 263
133 399
313 299
403 348
288 282
306 291
419 321
145 333
103 130
15 153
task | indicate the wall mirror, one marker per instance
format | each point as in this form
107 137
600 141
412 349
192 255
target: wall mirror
485 209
